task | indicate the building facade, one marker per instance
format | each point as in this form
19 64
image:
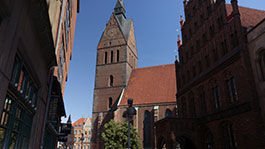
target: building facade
256 46
81 134
218 105
29 86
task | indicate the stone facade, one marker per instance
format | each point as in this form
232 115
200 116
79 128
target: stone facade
217 99
256 47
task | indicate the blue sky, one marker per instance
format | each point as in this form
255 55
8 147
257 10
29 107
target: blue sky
156 25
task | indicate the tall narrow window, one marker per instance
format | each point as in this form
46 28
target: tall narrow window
229 136
147 129
203 101
168 113
110 103
111 81
209 141
192 107
216 97
111 57
106 57
232 89
118 55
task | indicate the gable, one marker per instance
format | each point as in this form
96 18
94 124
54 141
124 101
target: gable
112 35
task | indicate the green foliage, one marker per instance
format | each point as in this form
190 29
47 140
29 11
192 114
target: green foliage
115 136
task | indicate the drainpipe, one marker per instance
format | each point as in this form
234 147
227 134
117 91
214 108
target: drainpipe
51 79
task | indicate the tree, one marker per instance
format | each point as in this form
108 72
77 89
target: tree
115 136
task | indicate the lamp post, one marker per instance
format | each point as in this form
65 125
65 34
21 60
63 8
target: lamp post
128 114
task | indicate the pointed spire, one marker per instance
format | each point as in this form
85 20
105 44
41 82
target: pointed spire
119 8
69 121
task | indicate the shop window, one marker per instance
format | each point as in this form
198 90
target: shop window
15 126
232 89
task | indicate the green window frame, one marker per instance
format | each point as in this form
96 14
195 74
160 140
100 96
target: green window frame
15 125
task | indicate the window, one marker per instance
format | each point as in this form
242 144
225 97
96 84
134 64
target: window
229 136
224 47
232 89
184 107
1 20
200 66
110 103
75 132
192 106
111 81
203 101
118 55
15 124
207 61
106 57
23 83
261 64
168 113
216 96
147 129
80 130
193 71
215 54
209 141
111 57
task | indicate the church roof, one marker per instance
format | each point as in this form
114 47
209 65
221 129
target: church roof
125 26
249 16
149 85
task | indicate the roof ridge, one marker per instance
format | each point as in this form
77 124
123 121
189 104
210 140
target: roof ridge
247 7
150 67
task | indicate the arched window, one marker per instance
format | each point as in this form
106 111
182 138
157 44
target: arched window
209 141
111 57
110 103
118 55
147 129
261 64
229 135
111 81
106 57
168 113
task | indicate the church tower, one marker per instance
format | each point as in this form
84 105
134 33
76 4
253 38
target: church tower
116 58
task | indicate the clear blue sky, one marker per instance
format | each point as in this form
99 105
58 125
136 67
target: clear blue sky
156 27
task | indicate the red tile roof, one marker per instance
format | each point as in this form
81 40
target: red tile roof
81 122
249 16
151 85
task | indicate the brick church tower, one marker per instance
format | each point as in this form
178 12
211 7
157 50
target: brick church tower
116 58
